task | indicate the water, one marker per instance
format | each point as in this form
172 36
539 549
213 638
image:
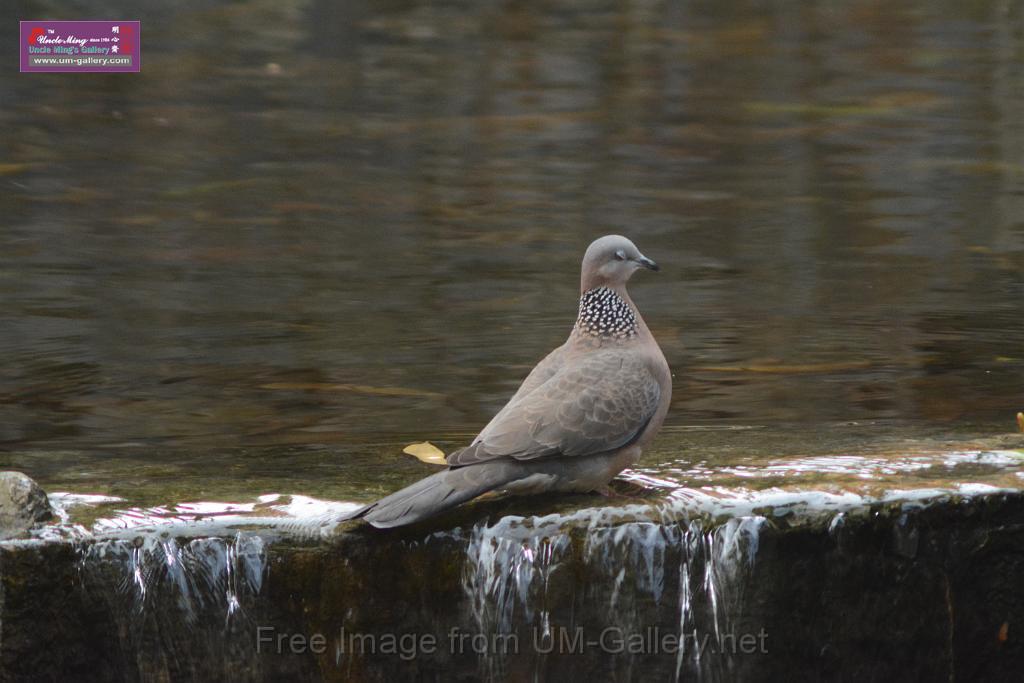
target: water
308 234
184 608
706 572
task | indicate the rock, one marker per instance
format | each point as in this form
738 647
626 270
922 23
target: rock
23 505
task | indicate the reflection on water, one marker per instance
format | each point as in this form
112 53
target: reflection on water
309 233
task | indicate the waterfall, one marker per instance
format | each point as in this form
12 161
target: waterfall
190 596
650 574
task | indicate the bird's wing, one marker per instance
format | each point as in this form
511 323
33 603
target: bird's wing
592 405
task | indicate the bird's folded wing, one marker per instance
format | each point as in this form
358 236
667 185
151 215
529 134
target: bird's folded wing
592 405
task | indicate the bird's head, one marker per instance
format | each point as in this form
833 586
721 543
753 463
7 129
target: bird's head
610 261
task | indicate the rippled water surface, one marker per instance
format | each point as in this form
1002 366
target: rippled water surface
309 233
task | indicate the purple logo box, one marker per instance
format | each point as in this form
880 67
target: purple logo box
80 46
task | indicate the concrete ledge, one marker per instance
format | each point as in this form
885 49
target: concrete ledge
917 587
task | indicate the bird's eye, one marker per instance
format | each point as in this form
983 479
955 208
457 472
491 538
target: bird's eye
620 255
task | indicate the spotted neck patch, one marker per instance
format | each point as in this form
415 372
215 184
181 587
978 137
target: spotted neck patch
603 313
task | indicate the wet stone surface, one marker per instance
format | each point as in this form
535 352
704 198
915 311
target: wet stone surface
664 582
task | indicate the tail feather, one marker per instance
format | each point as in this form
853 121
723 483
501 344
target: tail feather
435 494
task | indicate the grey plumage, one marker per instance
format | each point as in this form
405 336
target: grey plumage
598 403
582 415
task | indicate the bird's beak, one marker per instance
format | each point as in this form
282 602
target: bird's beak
648 263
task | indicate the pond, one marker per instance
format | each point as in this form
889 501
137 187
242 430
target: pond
309 233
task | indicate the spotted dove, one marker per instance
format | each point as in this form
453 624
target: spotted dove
581 416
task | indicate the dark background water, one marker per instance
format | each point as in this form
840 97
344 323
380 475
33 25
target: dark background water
311 232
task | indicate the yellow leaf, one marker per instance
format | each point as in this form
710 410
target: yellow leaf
1020 421
427 452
